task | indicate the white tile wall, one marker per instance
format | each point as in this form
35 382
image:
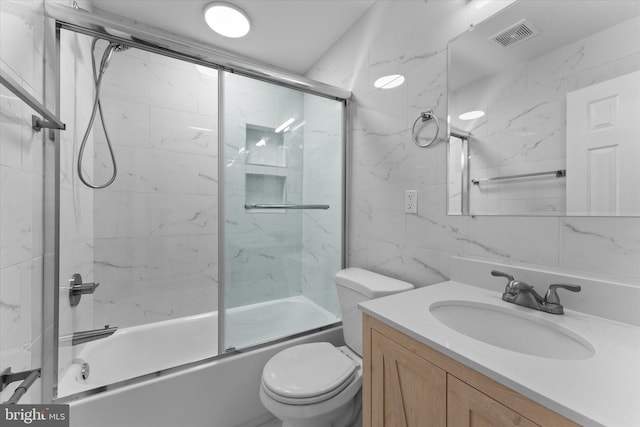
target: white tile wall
410 38
156 226
525 126
21 194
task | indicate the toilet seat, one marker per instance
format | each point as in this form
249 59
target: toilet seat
308 373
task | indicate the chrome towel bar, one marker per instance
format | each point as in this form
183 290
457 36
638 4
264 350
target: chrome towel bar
277 206
557 173
51 121
27 377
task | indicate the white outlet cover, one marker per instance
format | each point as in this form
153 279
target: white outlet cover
411 201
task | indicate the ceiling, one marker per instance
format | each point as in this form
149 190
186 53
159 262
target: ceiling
289 34
474 56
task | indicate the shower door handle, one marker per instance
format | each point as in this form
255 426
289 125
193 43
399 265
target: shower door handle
282 206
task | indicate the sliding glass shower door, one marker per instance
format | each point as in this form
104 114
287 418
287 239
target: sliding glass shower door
282 169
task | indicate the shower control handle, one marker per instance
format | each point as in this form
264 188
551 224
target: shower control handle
77 289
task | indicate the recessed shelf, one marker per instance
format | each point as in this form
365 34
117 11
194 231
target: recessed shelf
265 189
264 147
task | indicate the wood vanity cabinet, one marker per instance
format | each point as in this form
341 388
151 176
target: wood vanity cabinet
409 384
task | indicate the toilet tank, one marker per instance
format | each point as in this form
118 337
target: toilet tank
356 285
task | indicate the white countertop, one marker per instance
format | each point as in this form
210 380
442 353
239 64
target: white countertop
603 390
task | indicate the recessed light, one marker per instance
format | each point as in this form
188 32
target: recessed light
479 4
390 81
471 115
227 20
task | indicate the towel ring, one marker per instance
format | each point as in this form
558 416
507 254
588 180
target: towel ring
426 115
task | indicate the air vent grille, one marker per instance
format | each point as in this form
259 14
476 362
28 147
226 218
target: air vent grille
515 34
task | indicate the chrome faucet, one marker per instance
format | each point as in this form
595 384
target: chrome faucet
520 293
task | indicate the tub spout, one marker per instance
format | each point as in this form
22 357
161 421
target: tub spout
82 337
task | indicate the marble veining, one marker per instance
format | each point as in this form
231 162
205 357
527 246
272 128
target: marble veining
385 162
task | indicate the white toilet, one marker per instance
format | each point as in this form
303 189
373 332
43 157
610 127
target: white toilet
318 384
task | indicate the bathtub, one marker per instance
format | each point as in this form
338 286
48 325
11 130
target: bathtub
221 392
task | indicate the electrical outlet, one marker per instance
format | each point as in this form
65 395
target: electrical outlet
411 201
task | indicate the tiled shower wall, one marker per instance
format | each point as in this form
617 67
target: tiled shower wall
262 247
321 237
22 179
410 38
505 143
156 226
76 200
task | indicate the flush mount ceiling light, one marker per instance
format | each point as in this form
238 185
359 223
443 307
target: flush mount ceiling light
390 81
226 19
471 115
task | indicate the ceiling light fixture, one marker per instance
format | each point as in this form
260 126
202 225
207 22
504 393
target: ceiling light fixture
479 4
226 19
390 81
471 115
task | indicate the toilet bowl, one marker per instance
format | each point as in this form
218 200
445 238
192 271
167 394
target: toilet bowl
319 384
313 385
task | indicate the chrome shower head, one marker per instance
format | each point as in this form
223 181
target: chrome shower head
106 56
118 47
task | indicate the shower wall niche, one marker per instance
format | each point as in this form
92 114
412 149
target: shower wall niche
151 238
265 153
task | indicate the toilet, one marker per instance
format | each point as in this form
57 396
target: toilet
318 384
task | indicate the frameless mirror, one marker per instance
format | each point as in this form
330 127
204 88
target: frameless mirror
544 111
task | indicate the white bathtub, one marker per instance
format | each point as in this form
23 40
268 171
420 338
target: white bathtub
139 350
220 393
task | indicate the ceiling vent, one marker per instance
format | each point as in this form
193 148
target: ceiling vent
515 34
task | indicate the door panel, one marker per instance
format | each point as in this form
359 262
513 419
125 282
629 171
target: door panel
407 390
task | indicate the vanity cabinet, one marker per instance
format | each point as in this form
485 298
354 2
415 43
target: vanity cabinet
407 383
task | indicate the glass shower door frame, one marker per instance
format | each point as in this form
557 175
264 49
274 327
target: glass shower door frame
59 17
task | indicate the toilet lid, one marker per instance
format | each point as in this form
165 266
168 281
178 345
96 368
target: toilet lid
308 370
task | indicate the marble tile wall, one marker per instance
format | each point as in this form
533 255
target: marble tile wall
524 129
411 37
263 248
22 178
156 227
321 237
76 200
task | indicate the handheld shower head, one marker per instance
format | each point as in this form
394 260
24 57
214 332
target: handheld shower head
106 56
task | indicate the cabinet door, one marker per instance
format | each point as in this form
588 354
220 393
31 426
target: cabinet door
406 390
466 406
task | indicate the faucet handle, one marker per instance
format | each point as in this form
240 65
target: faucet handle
501 274
551 297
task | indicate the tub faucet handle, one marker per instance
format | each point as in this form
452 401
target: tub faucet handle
77 288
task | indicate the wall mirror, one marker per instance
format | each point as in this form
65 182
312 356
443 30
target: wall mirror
544 111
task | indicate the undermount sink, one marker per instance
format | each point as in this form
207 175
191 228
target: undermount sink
512 330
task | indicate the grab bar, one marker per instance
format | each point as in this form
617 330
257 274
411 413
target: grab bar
276 206
51 122
8 377
82 337
557 173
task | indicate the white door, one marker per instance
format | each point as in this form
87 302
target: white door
603 148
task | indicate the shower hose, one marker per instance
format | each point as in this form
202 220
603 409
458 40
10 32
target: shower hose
97 77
